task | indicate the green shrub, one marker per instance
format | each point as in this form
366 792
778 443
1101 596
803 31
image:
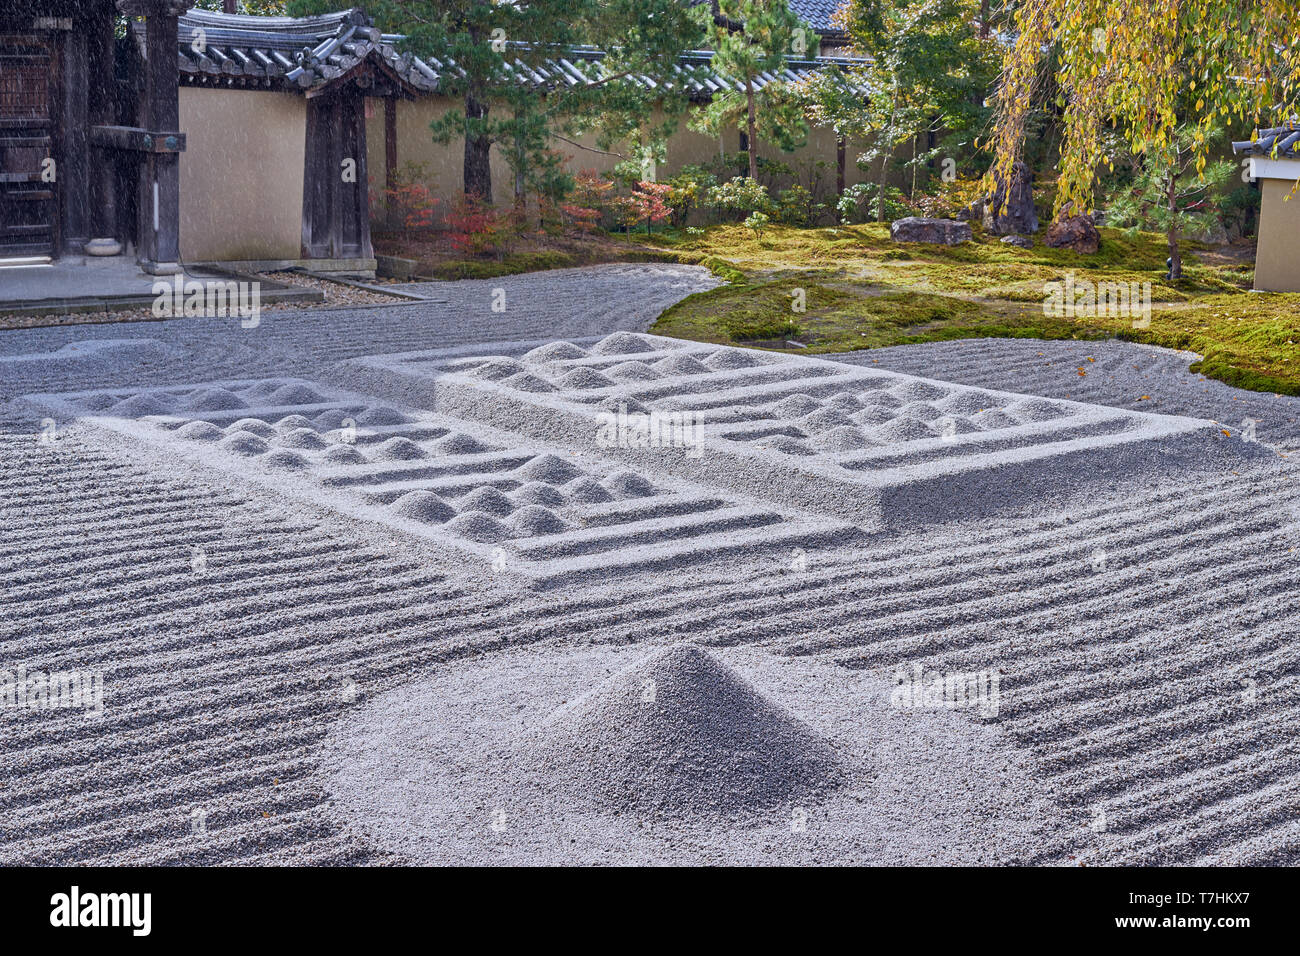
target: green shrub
757 222
741 195
861 203
797 206
687 190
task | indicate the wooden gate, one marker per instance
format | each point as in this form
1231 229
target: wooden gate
335 201
28 110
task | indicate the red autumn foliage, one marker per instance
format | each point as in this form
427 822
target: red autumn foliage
646 204
479 229
410 199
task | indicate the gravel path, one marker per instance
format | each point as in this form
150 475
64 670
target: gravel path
563 303
1144 638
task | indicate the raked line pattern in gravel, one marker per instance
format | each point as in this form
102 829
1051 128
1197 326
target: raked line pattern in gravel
1145 641
595 300
1120 374
1155 688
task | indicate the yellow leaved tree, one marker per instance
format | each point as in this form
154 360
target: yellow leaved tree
1170 74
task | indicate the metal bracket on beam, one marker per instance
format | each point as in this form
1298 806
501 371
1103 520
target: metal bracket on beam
136 140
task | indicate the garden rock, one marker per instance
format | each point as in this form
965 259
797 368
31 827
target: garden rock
1024 242
1012 211
1212 232
1076 233
946 232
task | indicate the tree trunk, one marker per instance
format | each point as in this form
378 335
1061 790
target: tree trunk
478 150
884 179
521 198
753 135
885 151
839 176
984 19
911 193
1175 259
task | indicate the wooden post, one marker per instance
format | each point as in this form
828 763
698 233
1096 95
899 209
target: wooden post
159 205
74 161
390 158
104 223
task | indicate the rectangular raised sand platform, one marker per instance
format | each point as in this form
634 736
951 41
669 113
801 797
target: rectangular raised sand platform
546 513
877 448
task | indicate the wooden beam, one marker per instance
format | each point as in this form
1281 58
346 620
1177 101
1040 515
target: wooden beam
103 100
74 164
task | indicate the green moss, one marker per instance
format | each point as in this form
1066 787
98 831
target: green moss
847 315
1249 341
865 291
745 327
862 247
722 269
862 290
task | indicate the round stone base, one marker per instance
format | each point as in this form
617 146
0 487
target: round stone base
102 247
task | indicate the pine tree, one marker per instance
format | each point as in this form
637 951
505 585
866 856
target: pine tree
752 37
497 46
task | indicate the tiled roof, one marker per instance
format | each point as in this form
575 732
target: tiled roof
217 49
818 13
1280 142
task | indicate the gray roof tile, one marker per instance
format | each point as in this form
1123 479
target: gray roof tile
308 52
1280 142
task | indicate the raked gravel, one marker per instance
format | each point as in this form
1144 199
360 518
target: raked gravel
1144 378
595 300
652 755
1144 637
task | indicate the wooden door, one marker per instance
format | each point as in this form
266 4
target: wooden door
28 111
336 201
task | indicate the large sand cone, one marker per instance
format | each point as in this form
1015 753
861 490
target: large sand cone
678 734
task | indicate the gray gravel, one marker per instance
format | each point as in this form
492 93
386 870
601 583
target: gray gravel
876 448
550 514
604 755
1122 374
595 300
1144 636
